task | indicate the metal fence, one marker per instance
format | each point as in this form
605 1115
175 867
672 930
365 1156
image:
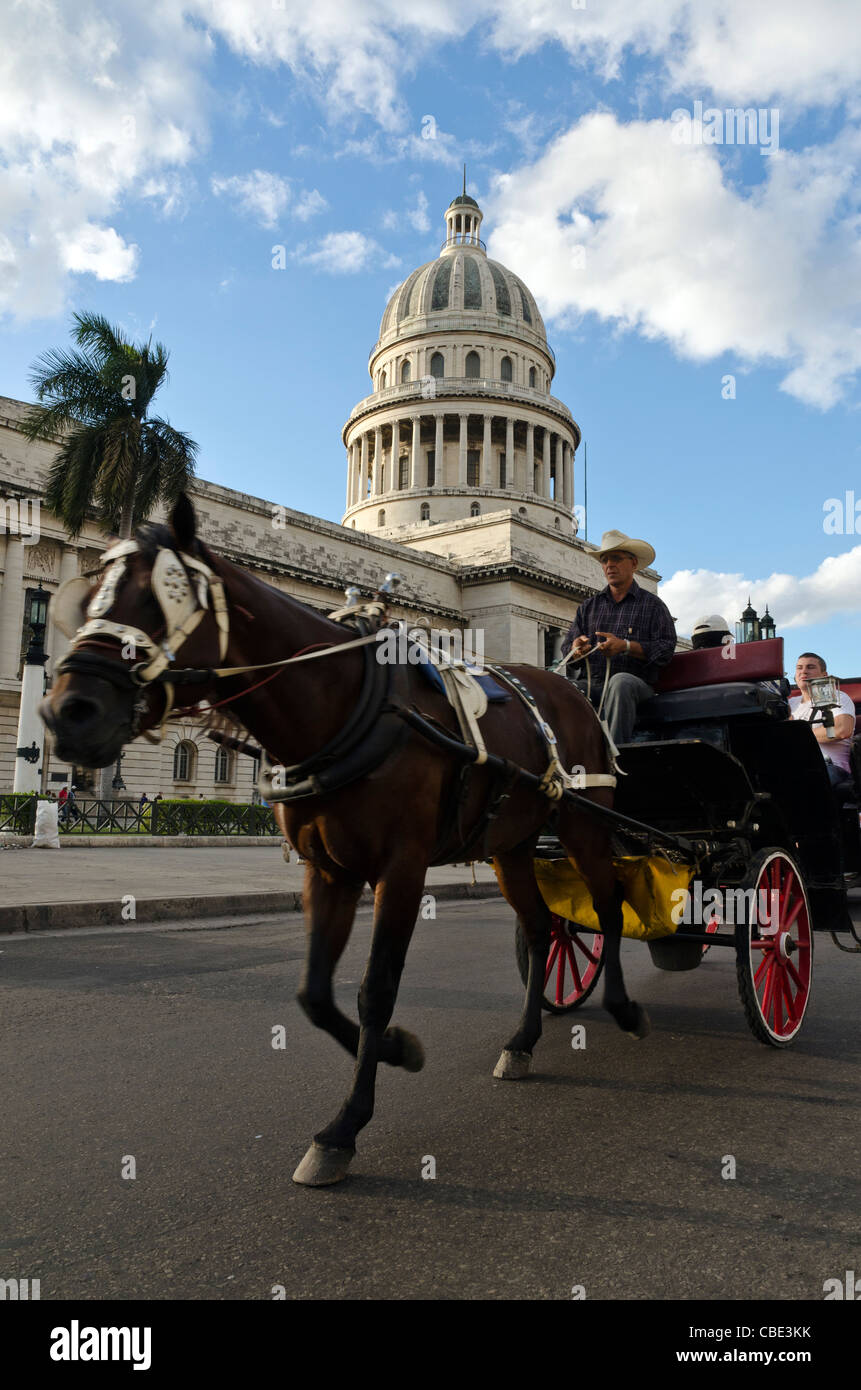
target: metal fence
91 816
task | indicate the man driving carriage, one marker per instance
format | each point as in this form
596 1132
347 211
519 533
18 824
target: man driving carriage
623 631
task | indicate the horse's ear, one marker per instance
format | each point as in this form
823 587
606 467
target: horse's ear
183 522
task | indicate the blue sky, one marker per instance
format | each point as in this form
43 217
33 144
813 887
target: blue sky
150 162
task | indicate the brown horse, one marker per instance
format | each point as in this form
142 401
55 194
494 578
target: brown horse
381 783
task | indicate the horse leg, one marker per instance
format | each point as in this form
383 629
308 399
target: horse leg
589 844
330 907
516 877
397 901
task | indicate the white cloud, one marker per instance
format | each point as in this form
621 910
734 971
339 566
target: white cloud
791 49
343 253
266 196
96 106
649 234
309 204
832 589
101 252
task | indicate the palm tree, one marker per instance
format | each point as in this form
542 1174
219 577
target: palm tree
111 455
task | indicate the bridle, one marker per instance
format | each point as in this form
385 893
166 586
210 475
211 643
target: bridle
185 589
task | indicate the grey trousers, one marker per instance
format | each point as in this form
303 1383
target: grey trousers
624 694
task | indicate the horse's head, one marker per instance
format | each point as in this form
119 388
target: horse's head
154 599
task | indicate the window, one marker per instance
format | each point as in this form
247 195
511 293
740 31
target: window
381 517
505 371
521 511
406 371
473 364
183 762
557 525
382 380
425 511
404 470
431 467
437 365
532 376
223 765
472 467
502 470
474 509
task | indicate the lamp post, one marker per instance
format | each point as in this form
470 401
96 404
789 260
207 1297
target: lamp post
31 732
767 627
747 627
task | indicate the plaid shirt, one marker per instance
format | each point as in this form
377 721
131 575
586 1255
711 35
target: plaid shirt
640 616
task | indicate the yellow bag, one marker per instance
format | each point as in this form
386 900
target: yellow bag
649 884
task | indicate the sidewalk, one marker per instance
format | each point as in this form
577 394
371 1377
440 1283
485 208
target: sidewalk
42 890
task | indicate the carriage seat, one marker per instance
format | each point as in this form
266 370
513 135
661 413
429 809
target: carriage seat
710 702
717 683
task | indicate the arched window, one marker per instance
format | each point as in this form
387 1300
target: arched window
557 524
425 511
437 365
224 765
406 371
381 517
505 371
532 376
474 509
404 471
473 364
183 762
382 380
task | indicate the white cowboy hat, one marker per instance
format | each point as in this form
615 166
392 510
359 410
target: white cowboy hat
617 540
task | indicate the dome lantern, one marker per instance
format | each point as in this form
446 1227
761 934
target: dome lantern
462 221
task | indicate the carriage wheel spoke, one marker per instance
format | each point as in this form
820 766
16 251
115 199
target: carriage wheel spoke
576 941
794 975
763 965
560 973
578 983
554 951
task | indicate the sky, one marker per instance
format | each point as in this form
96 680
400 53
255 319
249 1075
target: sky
702 295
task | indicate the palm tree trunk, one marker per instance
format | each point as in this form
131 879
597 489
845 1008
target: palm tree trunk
126 515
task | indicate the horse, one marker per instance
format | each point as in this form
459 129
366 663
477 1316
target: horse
381 787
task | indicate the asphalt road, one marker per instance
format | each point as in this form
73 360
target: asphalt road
603 1170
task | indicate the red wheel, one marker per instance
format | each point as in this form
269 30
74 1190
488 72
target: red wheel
714 924
774 949
574 962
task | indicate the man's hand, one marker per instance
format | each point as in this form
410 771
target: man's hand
580 646
611 645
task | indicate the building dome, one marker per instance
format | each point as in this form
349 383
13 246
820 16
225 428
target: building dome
463 365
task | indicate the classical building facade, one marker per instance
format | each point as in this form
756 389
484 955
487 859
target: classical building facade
460 477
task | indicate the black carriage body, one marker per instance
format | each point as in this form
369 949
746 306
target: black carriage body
725 764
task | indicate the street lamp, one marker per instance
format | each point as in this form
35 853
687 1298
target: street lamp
31 734
767 627
747 628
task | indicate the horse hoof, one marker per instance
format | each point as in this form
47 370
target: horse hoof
513 1066
643 1024
321 1167
413 1054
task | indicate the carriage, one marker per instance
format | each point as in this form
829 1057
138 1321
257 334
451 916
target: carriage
728 834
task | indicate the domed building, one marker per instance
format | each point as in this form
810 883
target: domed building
461 421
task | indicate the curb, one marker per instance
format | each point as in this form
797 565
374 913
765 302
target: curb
12 841
35 917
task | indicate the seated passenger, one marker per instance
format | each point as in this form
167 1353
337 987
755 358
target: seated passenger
835 750
625 629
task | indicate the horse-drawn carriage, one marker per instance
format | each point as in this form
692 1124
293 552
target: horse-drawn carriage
741 842
378 773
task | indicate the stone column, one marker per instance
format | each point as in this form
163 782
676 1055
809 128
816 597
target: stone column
350 465
545 466
530 458
509 453
56 643
461 458
414 455
569 478
394 481
487 453
560 478
438 452
362 490
12 608
377 486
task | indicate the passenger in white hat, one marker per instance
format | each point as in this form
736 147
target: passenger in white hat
624 629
